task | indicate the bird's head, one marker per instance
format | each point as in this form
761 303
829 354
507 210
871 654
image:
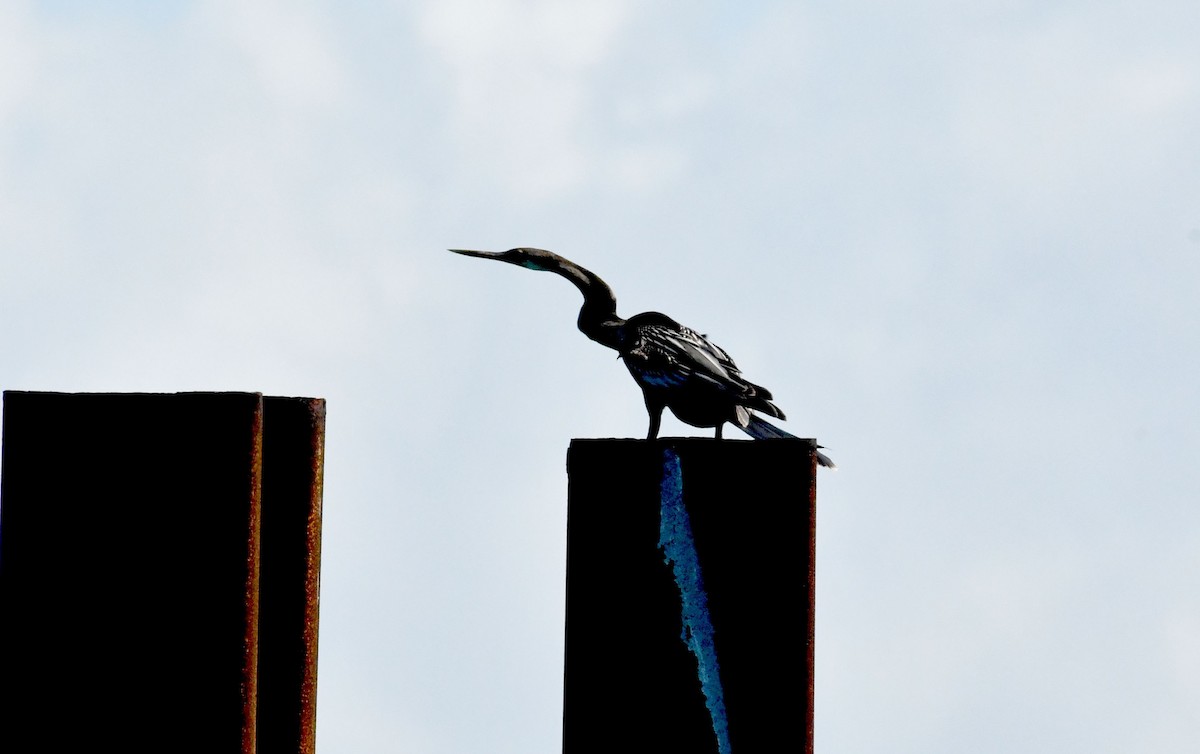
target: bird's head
534 259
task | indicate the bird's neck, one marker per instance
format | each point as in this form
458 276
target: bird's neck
598 316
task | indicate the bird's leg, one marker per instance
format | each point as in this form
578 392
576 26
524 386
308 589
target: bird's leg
719 428
655 410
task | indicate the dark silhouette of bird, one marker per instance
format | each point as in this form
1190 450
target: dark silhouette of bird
676 367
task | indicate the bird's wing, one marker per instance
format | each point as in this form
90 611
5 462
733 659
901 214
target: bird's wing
689 354
709 362
670 355
699 353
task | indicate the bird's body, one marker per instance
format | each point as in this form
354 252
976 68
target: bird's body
675 366
679 368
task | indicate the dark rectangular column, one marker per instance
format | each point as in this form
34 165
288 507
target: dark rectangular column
130 570
641 622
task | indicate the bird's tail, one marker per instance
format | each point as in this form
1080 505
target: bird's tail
761 429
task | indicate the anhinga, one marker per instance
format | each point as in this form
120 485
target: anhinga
676 367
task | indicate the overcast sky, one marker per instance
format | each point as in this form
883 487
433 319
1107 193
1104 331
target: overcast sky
959 242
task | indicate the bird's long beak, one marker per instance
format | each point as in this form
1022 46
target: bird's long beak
472 253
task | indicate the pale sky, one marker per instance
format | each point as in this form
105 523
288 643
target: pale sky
959 242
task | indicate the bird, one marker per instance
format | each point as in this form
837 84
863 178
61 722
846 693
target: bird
675 366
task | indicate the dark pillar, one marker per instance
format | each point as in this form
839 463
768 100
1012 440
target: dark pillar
631 681
131 527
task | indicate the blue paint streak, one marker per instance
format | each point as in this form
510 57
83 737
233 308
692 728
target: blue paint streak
679 549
